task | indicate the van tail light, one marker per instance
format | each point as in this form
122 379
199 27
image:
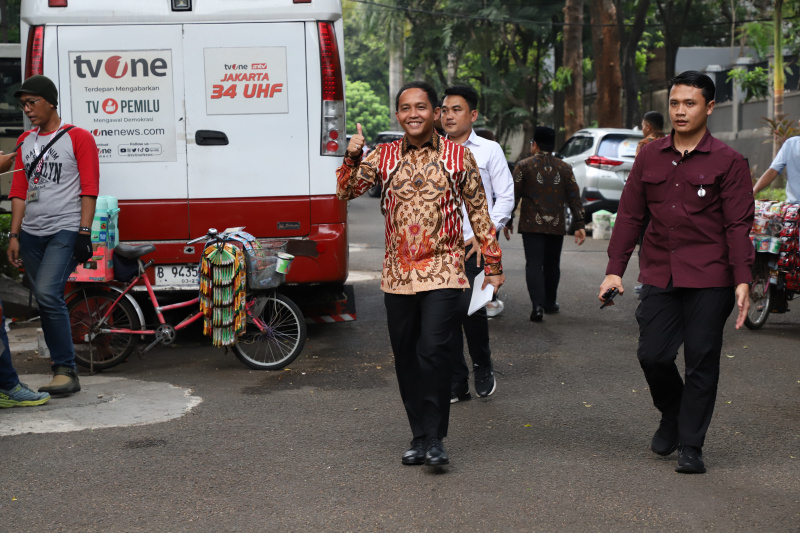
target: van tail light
56 3
333 141
34 57
603 163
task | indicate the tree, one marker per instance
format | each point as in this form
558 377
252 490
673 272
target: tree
674 26
605 42
365 107
573 62
630 33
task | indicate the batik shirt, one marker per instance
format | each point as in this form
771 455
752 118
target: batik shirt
422 191
545 184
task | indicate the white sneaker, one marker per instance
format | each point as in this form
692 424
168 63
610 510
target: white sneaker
494 308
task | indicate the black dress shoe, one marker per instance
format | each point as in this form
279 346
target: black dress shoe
415 455
665 439
436 456
690 460
538 314
553 309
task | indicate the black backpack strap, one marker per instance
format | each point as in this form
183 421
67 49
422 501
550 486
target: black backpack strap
44 150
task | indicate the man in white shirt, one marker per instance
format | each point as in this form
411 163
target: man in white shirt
459 112
788 158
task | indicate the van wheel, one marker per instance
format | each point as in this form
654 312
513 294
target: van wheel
569 220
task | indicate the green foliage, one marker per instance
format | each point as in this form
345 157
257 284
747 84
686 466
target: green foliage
758 35
562 79
364 106
755 82
644 51
366 56
6 267
776 194
782 128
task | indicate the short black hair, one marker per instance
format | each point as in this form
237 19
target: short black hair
427 87
466 92
693 78
655 119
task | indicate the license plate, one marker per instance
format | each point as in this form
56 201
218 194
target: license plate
173 275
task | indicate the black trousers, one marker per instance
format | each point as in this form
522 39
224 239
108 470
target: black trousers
420 327
476 329
695 318
542 267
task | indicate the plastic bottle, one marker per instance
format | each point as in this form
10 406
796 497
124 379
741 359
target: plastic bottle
100 221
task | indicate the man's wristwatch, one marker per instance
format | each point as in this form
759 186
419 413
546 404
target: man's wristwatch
87 229
13 235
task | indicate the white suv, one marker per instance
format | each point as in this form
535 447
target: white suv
601 159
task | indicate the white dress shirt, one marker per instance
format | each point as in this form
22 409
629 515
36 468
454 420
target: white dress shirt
497 182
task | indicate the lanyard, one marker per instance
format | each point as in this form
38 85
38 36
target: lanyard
37 150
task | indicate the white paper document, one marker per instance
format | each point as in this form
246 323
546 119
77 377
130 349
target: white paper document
480 297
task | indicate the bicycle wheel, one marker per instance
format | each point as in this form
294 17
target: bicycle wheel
760 295
281 340
93 348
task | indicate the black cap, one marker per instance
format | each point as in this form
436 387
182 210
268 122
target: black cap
40 86
544 136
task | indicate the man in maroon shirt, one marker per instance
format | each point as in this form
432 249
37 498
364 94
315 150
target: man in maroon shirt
694 264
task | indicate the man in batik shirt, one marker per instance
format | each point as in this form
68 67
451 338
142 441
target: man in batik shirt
424 180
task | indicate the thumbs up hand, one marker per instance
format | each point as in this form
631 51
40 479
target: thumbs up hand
356 143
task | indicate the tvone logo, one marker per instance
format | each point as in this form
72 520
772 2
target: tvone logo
236 67
117 67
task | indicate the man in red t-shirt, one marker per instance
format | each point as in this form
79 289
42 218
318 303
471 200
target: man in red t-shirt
53 195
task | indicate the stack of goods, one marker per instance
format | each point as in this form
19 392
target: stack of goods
775 230
223 288
104 235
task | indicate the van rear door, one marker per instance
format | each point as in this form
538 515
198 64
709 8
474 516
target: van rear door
130 96
247 127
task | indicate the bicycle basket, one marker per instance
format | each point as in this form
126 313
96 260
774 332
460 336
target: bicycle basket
261 265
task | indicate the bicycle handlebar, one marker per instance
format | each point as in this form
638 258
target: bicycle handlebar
212 234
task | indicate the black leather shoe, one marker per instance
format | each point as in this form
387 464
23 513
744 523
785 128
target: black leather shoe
415 455
538 314
690 460
436 456
665 439
553 309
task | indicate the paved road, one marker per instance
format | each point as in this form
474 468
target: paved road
561 446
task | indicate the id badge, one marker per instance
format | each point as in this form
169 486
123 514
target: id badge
33 195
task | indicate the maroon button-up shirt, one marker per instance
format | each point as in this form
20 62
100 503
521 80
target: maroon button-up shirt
697 240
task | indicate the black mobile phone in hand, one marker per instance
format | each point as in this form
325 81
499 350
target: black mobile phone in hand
608 296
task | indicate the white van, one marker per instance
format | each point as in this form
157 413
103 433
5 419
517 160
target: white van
206 113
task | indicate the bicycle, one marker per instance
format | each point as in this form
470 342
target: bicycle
107 322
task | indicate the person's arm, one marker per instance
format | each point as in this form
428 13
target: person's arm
475 200
573 194
765 179
503 186
630 217
17 214
355 177
517 177
738 211
6 160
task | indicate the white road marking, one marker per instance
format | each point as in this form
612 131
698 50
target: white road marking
102 402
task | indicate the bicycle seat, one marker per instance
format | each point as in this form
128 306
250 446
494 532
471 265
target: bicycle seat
134 251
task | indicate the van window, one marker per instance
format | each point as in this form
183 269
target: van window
10 81
618 146
575 146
